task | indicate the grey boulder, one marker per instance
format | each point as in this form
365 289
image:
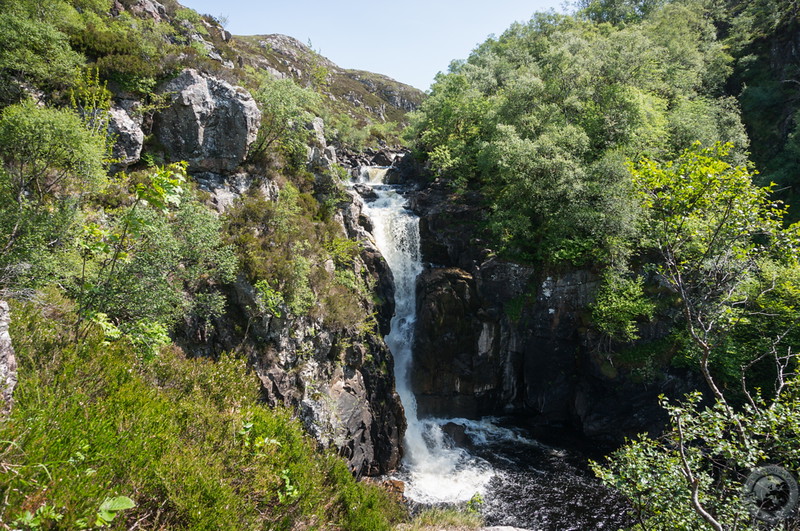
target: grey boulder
209 122
128 138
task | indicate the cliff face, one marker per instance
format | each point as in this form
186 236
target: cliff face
495 337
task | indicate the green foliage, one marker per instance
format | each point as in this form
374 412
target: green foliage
33 49
269 300
712 229
156 260
702 454
619 303
345 130
50 159
127 50
39 519
717 242
286 244
285 110
541 120
93 430
92 100
47 150
110 508
445 518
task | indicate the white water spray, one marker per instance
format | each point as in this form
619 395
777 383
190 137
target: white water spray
434 471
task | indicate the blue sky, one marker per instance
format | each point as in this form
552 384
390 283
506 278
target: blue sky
408 40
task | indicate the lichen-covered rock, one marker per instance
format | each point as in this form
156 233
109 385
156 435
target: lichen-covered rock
225 190
321 156
128 139
209 123
149 9
8 362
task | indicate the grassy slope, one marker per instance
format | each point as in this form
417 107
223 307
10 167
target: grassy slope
187 440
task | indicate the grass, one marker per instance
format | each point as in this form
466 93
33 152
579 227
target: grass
450 519
187 440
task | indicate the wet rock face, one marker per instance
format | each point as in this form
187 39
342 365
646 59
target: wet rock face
8 362
448 378
209 123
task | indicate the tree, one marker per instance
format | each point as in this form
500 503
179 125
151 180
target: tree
284 112
717 243
712 231
49 159
156 260
45 150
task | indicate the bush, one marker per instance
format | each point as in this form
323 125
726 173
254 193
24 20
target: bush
287 244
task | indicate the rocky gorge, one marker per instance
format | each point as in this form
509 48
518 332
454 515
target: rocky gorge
493 337
496 337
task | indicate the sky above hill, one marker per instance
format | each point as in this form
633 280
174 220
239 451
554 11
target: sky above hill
409 40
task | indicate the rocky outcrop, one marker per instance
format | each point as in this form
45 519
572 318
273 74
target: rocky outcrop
225 190
8 362
128 139
321 156
496 337
147 9
209 123
340 386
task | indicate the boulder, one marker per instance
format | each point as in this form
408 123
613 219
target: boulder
384 157
366 192
8 362
128 139
320 154
150 9
209 123
317 128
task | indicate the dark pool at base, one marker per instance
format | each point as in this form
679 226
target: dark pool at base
548 485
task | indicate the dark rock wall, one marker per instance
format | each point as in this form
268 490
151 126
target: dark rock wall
495 337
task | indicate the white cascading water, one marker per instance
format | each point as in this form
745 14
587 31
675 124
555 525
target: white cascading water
434 470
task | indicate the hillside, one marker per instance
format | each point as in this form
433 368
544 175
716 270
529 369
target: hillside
195 334
364 95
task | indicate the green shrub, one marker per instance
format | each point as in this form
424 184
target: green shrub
619 304
287 244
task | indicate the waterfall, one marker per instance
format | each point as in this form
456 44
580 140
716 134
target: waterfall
433 469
